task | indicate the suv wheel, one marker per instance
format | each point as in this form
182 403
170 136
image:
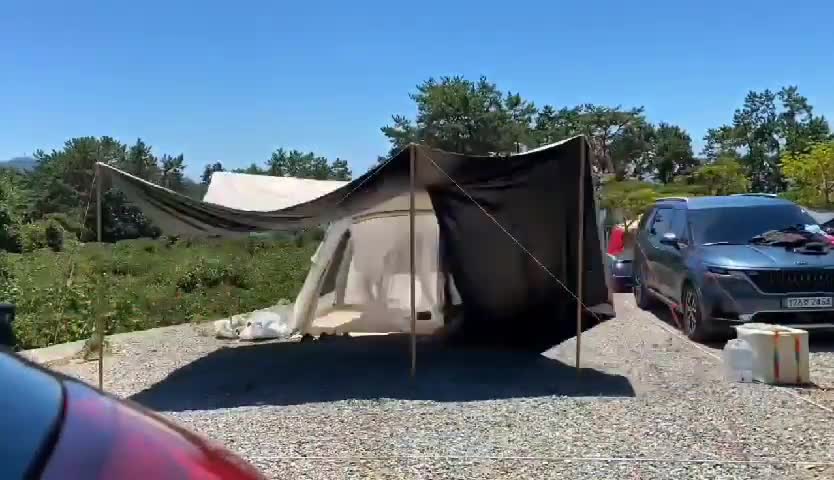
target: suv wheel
642 297
695 324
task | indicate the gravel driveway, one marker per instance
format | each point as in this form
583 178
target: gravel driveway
648 404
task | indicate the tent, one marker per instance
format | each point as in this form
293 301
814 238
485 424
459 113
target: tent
264 193
507 245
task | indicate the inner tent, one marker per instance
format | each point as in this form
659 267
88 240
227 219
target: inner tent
359 281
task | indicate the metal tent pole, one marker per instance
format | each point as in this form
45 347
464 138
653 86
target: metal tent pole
581 250
411 220
99 334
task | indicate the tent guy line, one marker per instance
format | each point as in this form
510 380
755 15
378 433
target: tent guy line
515 240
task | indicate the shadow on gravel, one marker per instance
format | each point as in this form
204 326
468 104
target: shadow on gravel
822 342
818 342
364 368
664 314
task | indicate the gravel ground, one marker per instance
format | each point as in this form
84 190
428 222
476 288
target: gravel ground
648 404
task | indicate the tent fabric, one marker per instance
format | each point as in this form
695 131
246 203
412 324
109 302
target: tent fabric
264 193
366 287
504 291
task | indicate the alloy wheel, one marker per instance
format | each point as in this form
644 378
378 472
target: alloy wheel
690 311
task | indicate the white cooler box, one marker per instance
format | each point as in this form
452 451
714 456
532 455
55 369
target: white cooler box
780 354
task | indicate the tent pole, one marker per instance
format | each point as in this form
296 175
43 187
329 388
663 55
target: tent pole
411 220
580 253
99 334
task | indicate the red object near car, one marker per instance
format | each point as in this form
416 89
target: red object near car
54 427
616 244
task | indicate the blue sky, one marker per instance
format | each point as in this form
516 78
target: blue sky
231 81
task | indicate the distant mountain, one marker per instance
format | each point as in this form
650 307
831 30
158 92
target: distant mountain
20 163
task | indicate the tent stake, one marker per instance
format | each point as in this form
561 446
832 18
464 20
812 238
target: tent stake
411 220
580 254
99 334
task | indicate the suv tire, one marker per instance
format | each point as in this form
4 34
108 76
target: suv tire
642 297
696 325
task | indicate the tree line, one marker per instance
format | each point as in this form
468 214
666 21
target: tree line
39 208
774 142
289 163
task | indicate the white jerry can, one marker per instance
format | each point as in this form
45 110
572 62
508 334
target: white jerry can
780 354
738 361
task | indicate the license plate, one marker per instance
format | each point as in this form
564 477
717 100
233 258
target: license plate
809 302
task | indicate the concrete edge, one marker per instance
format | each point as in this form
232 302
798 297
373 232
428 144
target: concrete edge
63 351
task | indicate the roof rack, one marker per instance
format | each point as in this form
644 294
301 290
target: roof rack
672 199
769 195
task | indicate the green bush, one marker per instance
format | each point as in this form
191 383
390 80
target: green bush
8 285
54 234
32 237
140 284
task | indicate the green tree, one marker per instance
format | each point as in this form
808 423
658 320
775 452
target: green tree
672 152
519 128
812 173
172 172
140 162
62 183
605 127
293 163
552 125
725 176
767 125
14 202
339 170
209 169
460 115
628 198
621 139
252 169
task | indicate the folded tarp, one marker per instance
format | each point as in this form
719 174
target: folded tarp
508 227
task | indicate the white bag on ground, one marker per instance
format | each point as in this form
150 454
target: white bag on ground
229 328
264 325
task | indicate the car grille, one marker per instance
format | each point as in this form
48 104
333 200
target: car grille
793 281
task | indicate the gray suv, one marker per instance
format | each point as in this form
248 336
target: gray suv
704 258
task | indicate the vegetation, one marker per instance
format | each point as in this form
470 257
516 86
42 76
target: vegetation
145 283
812 174
773 143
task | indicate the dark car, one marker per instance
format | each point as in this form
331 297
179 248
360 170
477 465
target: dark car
56 427
703 257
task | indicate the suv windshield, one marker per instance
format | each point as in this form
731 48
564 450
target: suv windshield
740 224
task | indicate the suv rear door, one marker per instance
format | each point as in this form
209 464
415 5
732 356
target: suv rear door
674 255
662 260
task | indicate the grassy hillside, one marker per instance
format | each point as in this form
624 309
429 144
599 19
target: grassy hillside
139 284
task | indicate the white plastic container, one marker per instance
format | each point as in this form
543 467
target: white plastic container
738 361
780 354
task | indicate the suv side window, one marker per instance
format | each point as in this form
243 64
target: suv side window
661 222
679 225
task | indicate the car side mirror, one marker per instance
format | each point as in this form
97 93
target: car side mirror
670 239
